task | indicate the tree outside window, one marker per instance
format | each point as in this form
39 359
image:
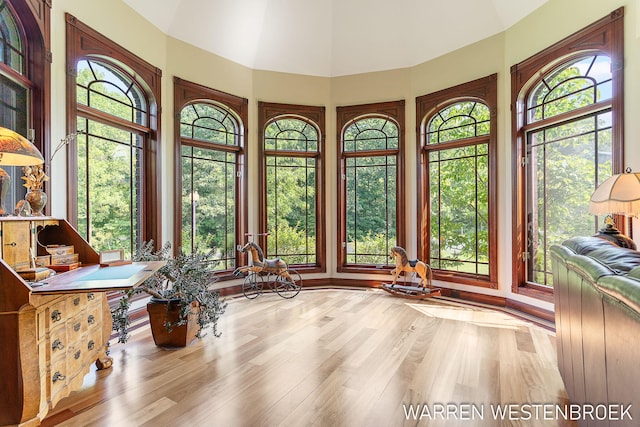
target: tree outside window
566 159
109 156
292 196
210 144
371 185
458 182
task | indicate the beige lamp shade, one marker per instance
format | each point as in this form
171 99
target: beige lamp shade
619 194
16 150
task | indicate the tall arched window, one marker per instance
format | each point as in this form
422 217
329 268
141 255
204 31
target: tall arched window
24 81
371 185
210 137
569 139
114 199
210 174
112 128
292 183
458 156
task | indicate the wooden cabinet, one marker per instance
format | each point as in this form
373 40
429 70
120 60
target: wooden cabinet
52 331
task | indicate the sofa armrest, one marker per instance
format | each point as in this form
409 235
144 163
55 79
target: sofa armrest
623 289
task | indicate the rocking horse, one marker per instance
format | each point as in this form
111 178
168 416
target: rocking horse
404 264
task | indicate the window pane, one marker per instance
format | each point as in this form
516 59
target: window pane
370 209
109 186
291 208
291 190
371 133
572 86
104 88
11 46
459 209
566 163
208 204
458 121
291 134
13 115
208 199
210 123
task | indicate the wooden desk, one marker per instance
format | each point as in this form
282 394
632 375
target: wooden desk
52 331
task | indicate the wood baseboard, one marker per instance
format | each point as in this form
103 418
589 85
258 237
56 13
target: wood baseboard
546 316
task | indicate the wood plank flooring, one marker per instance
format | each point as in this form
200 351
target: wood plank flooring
329 358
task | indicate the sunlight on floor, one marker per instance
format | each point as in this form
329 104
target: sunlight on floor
475 315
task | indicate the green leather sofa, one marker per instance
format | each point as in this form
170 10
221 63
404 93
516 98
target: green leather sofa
597 311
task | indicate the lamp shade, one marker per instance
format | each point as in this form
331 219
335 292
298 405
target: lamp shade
619 194
16 150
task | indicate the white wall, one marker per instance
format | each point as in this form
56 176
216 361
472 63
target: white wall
547 25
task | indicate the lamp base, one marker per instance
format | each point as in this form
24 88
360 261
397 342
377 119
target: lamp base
611 233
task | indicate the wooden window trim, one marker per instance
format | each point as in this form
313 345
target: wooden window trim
267 111
84 42
186 92
484 90
606 36
395 111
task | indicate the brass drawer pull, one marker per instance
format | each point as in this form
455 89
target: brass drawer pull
76 355
76 301
91 296
91 345
76 327
56 316
91 319
57 345
57 376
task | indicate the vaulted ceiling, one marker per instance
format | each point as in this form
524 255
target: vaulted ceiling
332 37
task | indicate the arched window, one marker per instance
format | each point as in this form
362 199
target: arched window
110 153
24 78
114 200
458 157
565 160
211 143
371 199
292 184
210 207
568 140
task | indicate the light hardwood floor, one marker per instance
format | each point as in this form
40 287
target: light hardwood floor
329 358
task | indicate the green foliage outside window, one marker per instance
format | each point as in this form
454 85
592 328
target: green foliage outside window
109 159
459 188
209 167
566 161
371 189
291 148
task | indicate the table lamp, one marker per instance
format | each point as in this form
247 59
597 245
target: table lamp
15 150
619 194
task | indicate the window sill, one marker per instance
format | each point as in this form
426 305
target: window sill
543 294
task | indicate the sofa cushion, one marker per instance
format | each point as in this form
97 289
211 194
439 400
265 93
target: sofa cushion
619 260
585 244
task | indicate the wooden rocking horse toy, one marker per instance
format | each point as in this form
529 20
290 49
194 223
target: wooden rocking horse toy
404 264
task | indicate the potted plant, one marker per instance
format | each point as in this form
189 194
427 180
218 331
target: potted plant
182 303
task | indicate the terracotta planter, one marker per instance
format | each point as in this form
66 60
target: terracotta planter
165 310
